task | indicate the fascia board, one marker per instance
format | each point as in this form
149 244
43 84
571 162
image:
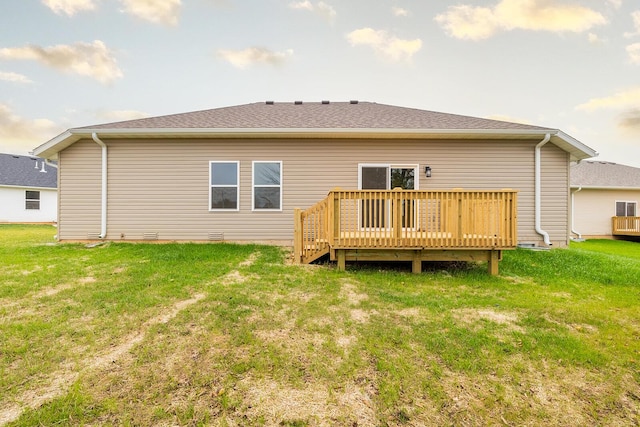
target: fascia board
309 132
50 148
28 187
578 150
600 187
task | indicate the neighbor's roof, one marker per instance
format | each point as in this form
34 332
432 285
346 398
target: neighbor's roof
27 171
605 175
316 120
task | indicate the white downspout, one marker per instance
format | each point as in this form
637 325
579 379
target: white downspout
103 218
573 213
538 190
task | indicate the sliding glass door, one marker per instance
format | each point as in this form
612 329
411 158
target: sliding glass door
375 212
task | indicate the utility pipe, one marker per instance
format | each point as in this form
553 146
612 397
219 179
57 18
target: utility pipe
538 191
573 212
103 218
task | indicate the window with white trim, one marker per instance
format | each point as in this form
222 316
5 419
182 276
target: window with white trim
626 208
224 183
32 200
267 186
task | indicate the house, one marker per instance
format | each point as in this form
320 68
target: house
605 200
238 173
28 189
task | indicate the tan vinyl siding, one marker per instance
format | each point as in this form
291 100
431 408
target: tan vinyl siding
555 194
162 186
594 208
79 178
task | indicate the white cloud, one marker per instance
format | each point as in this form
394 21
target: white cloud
634 53
70 7
629 98
615 3
635 16
14 77
630 120
399 11
254 55
477 23
164 12
19 135
594 38
92 60
625 103
384 44
320 8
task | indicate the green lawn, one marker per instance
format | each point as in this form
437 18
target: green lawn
222 334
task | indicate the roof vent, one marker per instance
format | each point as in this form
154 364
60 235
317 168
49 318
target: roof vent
269 102
298 102
325 102
353 101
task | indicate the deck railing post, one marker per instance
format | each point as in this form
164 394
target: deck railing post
297 236
334 208
459 218
396 208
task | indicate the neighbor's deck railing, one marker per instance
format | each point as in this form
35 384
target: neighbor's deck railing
407 219
625 226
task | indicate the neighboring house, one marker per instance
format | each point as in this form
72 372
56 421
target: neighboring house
237 173
28 189
600 192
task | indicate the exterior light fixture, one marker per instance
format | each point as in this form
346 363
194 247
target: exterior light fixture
427 171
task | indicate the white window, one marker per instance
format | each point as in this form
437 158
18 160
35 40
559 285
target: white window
32 200
224 182
267 186
626 208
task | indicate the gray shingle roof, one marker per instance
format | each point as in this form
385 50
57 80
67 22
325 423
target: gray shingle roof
21 171
314 115
604 175
315 120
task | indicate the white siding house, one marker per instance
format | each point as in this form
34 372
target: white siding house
28 190
600 191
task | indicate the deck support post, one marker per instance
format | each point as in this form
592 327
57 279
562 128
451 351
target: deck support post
494 259
297 236
416 263
342 259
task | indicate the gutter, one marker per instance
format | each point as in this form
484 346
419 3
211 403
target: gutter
103 207
538 190
573 213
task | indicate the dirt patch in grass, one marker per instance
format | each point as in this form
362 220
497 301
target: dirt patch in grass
235 277
251 260
558 394
60 381
349 292
312 404
472 316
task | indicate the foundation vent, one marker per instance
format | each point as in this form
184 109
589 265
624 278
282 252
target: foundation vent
93 236
216 236
150 236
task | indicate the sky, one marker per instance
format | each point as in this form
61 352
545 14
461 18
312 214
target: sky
573 65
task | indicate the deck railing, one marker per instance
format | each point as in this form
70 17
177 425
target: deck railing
625 226
407 219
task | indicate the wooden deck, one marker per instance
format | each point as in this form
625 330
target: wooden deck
408 225
625 226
